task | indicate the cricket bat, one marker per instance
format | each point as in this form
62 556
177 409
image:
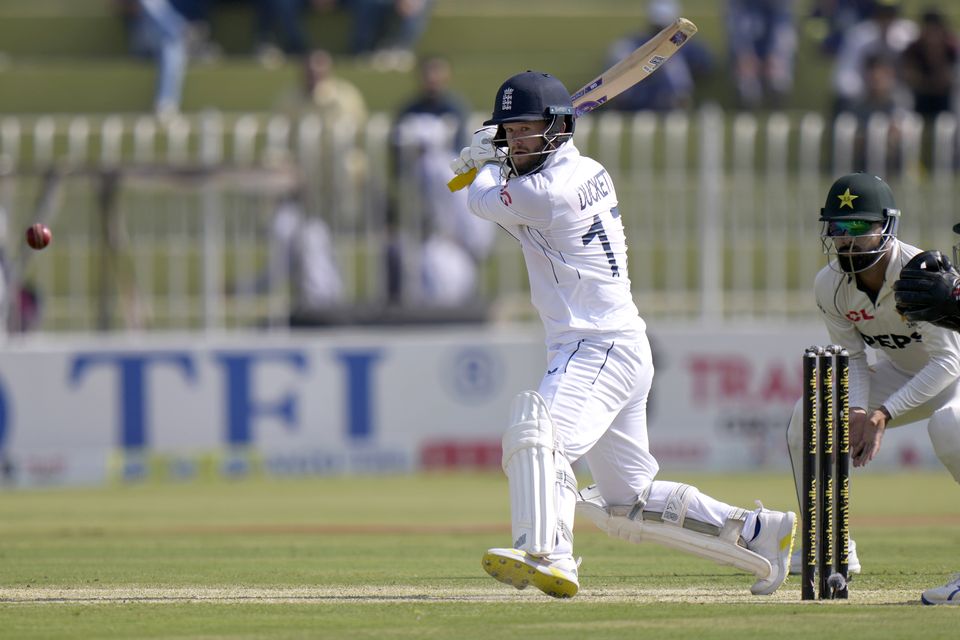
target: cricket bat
647 58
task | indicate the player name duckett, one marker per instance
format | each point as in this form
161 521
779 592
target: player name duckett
593 190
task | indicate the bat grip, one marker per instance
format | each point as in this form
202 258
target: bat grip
462 180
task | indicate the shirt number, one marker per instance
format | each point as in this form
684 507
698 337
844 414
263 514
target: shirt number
596 231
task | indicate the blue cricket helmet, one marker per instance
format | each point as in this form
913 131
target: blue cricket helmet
531 95
527 97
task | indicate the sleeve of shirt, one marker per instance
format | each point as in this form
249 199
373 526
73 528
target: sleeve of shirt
843 332
521 201
943 368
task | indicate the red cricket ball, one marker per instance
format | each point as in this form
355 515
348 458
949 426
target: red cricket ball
38 236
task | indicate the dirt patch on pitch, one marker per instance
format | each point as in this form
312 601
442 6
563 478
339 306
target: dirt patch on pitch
380 595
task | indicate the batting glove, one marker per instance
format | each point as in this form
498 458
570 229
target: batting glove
480 151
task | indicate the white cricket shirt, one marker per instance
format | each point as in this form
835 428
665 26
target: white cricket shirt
928 353
566 219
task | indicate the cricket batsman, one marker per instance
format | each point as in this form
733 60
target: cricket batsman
562 209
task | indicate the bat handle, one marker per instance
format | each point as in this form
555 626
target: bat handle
462 180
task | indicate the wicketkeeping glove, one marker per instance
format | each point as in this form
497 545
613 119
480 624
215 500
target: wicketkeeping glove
480 151
929 291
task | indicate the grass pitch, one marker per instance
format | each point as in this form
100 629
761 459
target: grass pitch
399 557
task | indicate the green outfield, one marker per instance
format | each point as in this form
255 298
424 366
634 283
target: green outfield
399 557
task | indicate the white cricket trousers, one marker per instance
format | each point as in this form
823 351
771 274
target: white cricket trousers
597 394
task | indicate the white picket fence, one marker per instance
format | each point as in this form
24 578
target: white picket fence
155 224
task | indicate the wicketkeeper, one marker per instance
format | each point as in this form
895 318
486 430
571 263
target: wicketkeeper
916 373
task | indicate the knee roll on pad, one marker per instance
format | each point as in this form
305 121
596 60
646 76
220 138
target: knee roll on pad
673 529
536 470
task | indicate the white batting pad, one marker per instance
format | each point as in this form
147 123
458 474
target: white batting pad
530 462
672 529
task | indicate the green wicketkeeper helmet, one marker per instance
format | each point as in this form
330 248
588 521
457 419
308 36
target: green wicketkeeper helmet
859 196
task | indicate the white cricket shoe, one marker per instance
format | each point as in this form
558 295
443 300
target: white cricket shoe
775 543
947 594
853 562
557 578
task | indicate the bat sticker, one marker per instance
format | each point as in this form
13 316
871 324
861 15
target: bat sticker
587 89
653 63
678 38
590 105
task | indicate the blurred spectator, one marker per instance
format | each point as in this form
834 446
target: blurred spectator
763 40
929 66
324 93
388 30
339 170
157 29
172 32
200 46
833 18
672 86
883 94
278 27
883 33
301 257
436 244
435 98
